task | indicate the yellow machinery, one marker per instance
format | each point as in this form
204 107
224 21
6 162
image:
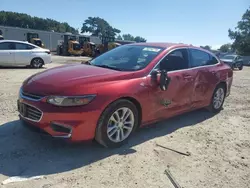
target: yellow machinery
112 45
87 46
34 39
88 49
69 46
100 48
74 48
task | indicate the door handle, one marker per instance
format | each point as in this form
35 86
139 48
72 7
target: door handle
213 72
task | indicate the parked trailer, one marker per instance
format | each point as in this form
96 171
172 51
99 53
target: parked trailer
49 38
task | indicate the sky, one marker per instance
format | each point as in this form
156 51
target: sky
196 22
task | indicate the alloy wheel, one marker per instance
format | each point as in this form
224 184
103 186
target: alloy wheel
120 124
218 98
37 63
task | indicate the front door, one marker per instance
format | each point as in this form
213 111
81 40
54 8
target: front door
7 57
177 98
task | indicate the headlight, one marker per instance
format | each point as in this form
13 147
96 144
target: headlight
70 100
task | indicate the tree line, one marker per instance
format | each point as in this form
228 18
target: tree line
15 19
96 26
240 36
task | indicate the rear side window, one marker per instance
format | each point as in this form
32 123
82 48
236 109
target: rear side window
238 58
199 58
7 46
212 61
21 46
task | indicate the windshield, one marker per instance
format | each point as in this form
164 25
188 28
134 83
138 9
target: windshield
127 57
76 46
229 57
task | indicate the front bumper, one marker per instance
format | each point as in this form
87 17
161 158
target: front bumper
71 123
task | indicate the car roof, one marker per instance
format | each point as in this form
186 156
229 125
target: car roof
161 44
167 45
18 41
25 42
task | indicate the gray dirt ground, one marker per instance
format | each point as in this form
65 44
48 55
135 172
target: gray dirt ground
219 146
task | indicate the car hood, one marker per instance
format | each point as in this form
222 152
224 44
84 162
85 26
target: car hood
227 60
66 79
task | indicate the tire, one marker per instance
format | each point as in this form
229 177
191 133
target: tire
241 67
105 122
37 63
217 107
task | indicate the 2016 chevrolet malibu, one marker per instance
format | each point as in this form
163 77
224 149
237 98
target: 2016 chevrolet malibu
131 86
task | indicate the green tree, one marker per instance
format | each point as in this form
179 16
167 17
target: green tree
132 38
14 19
241 35
99 27
128 37
119 37
140 39
206 47
225 47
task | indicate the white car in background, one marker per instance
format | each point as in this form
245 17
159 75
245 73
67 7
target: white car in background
19 53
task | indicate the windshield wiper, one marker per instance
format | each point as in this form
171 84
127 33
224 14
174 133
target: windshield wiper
108 67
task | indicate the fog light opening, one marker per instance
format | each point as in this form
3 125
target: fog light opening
60 128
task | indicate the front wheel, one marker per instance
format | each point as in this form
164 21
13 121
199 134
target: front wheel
117 123
241 67
218 98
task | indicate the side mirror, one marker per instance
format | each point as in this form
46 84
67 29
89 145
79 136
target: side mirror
163 80
86 62
161 77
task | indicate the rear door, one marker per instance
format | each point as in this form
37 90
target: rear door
7 57
23 53
204 68
177 98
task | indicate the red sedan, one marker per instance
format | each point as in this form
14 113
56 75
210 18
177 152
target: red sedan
133 85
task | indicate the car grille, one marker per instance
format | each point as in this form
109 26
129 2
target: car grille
29 112
31 96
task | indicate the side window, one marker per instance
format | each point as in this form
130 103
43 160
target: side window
21 46
199 58
238 58
7 46
212 60
176 60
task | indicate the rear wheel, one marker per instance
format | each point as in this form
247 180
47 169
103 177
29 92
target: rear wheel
37 63
117 123
218 98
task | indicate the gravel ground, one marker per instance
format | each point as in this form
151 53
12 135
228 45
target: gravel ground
219 147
